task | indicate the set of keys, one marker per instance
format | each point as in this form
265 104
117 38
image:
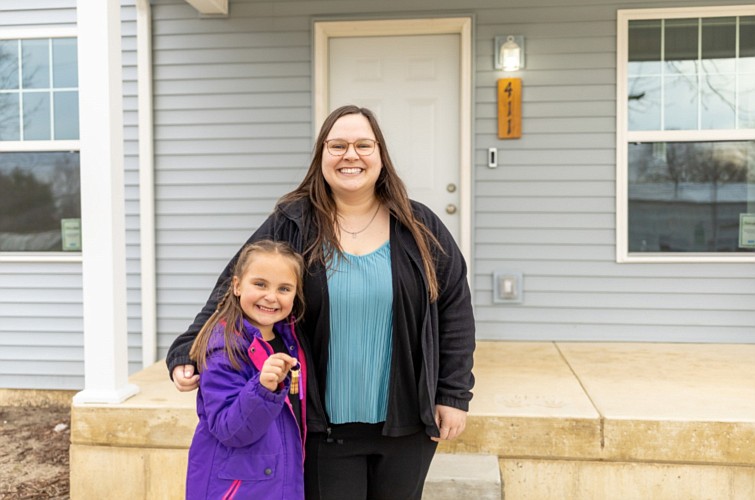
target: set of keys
294 389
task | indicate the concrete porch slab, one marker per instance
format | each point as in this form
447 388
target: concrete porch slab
678 403
559 414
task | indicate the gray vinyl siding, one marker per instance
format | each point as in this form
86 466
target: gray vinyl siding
233 133
233 126
41 312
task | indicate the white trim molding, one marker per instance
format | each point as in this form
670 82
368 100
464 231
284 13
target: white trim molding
146 182
38 32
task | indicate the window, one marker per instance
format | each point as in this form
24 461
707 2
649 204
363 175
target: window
40 208
686 134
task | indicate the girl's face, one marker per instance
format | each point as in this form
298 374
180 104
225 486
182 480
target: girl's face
351 173
266 290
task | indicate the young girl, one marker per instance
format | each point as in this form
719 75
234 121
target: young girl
251 399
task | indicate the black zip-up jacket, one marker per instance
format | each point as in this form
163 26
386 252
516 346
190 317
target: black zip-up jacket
433 343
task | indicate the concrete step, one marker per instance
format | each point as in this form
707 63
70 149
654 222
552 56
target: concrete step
463 476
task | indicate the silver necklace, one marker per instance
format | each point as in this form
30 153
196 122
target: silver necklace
355 233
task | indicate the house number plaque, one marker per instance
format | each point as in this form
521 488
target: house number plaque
510 108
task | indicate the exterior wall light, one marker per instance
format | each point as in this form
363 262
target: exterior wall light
509 52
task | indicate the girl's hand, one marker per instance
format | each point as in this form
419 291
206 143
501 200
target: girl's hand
184 378
275 369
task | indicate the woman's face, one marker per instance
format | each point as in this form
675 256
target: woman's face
351 174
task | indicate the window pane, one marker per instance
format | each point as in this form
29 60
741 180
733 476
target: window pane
680 53
644 103
66 115
35 64
746 101
680 102
717 102
8 64
36 116
644 47
64 63
747 44
719 44
10 124
687 197
644 67
38 191
746 72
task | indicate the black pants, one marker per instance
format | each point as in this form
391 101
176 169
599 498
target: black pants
357 463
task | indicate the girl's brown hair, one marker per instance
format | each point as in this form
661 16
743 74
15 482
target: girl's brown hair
229 308
389 190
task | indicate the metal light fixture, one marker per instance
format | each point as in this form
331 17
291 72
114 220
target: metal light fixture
509 52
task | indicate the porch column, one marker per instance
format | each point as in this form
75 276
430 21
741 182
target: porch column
102 204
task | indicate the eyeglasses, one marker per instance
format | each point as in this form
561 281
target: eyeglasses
363 147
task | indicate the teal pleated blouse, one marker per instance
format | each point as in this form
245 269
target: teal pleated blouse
360 289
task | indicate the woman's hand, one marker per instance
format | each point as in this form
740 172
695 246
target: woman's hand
275 369
451 422
184 378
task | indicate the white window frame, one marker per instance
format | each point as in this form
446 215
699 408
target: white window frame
39 146
624 136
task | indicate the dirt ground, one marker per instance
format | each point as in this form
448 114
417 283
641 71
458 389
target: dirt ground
34 445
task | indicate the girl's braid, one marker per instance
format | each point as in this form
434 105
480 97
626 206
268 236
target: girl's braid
224 298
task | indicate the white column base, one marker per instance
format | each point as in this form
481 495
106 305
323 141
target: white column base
102 396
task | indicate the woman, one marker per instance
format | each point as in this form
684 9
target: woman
388 329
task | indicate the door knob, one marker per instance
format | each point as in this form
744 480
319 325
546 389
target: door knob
451 208
451 188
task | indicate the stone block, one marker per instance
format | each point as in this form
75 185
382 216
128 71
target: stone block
525 479
458 476
99 472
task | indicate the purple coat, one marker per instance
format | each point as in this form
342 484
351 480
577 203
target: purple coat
247 443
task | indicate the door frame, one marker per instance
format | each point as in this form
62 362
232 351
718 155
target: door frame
324 30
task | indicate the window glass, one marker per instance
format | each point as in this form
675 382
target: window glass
31 72
36 115
35 64
691 74
746 73
746 61
64 63
644 48
718 49
39 202
66 115
9 117
718 102
680 102
644 68
746 111
718 44
8 64
644 106
687 196
680 46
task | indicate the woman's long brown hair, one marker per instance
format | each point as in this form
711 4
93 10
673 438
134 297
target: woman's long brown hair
389 190
229 307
